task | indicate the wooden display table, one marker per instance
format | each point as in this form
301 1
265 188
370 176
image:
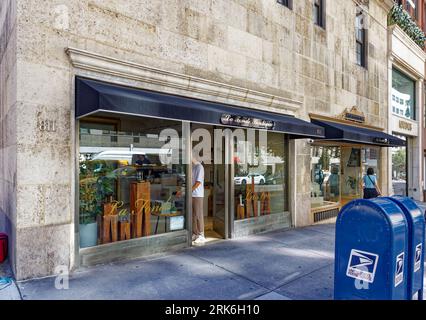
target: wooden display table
140 206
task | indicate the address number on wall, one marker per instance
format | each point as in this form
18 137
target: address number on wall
47 125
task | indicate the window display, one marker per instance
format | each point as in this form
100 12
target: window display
325 176
126 190
337 171
260 183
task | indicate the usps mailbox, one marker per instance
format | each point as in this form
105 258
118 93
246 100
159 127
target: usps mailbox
416 239
371 251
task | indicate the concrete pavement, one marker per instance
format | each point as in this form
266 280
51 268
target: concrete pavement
294 264
8 287
283 265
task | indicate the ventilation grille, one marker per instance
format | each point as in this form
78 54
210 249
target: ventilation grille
324 215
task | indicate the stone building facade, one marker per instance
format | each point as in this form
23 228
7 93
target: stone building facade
278 54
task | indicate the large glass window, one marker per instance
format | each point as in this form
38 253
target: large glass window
399 169
260 178
336 173
325 176
129 187
404 91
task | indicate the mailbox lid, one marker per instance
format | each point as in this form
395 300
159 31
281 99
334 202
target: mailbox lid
374 231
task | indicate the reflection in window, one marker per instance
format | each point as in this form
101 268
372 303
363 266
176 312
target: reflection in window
404 90
399 169
126 190
260 183
325 175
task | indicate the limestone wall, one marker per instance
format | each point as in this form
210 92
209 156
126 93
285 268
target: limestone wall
8 102
256 44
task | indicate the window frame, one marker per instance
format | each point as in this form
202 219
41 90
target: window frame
319 16
395 69
286 3
363 42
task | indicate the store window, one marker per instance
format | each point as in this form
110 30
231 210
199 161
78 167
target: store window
404 90
325 176
399 169
128 187
370 158
260 181
337 171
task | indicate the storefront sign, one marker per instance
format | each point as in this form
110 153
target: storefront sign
404 125
248 122
381 140
353 115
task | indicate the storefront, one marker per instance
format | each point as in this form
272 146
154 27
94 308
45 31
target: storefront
340 161
135 150
406 73
405 160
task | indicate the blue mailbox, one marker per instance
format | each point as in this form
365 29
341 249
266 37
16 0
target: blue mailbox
416 239
371 251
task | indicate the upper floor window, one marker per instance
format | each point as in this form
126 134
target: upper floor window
287 3
411 6
319 12
361 39
404 89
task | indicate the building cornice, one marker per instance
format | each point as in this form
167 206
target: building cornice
396 31
386 4
181 84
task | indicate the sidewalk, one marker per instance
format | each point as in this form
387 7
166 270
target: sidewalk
8 292
295 264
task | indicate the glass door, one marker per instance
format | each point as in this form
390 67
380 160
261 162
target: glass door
221 187
351 174
211 144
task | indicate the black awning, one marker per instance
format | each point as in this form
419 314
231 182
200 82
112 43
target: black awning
346 133
95 96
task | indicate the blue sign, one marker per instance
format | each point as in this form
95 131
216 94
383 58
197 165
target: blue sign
362 265
399 272
418 258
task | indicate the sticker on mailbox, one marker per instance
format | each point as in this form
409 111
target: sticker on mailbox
418 258
362 265
399 272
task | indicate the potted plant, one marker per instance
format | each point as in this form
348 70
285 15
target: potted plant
96 185
88 223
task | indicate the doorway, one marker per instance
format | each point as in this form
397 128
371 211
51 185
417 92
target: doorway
400 169
217 187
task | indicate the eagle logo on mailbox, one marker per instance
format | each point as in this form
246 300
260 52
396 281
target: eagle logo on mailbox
418 258
362 265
